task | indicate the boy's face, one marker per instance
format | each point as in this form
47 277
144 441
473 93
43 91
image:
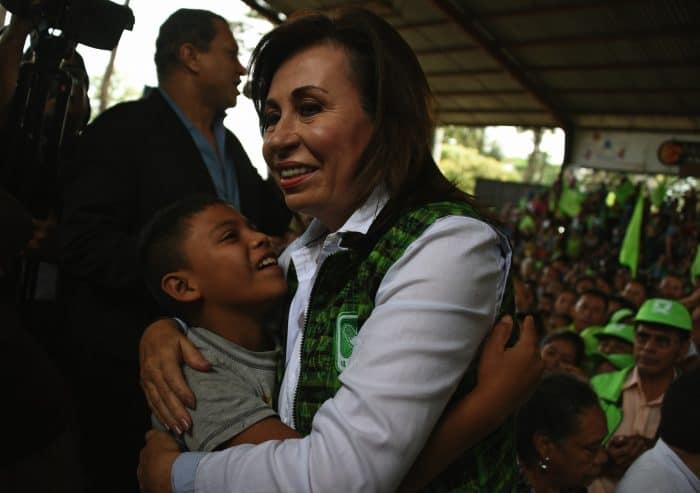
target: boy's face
231 263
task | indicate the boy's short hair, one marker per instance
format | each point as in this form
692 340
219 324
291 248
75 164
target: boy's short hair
160 244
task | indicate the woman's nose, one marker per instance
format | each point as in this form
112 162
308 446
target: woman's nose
282 137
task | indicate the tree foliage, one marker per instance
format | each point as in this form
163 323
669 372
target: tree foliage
463 165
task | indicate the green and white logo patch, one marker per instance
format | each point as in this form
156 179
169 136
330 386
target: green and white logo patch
345 334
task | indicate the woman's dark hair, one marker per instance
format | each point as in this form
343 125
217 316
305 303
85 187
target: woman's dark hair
572 338
183 26
553 410
394 93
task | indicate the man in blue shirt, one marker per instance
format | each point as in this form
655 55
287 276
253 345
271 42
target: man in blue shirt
134 159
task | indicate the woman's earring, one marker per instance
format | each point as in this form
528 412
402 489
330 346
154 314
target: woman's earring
544 464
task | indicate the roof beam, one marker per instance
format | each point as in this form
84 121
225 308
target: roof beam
645 65
266 12
491 46
636 113
409 26
692 31
492 111
570 90
465 72
551 9
480 92
626 90
446 50
583 67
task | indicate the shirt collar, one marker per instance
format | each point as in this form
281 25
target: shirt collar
218 119
359 222
633 380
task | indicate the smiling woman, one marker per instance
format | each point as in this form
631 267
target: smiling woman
315 131
394 286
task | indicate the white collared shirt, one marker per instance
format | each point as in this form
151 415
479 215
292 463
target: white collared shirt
659 470
432 310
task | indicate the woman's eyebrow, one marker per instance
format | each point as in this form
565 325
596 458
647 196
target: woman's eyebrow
301 90
296 94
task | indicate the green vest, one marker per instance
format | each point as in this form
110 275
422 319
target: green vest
342 299
608 386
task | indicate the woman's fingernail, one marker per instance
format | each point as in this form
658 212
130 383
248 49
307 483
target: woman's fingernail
185 424
177 430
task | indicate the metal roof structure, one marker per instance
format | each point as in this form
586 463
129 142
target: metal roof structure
576 64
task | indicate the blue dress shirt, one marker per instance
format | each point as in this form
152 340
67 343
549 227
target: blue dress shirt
221 166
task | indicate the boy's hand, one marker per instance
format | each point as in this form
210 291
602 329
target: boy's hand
162 350
512 373
156 461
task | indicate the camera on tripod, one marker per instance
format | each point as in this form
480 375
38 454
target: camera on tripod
32 164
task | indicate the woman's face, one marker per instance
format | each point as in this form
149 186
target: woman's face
315 132
577 460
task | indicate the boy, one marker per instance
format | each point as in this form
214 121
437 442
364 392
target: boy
204 262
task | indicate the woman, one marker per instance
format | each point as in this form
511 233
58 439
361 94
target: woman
560 432
394 250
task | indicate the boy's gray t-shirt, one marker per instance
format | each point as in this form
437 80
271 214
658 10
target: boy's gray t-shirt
234 395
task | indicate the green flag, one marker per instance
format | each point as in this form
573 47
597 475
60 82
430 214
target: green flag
629 251
570 201
695 268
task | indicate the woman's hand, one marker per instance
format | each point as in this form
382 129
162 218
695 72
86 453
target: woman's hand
506 378
156 461
162 350
511 373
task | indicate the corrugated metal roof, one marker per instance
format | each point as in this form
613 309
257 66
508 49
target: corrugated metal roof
627 64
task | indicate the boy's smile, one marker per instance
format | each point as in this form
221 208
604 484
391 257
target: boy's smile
231 263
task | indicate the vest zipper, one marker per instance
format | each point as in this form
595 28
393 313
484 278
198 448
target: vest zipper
301 341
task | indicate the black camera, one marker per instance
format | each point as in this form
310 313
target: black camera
32 164
95 23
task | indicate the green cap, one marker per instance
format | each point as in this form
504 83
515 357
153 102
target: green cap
621 331
620 361
665 312
620 314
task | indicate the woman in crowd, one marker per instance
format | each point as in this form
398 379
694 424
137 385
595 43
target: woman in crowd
560 432
563 351
394 286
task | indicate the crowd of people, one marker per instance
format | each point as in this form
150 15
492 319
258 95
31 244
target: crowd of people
404 341
627 329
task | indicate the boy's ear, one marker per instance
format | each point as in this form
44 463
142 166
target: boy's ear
180 287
